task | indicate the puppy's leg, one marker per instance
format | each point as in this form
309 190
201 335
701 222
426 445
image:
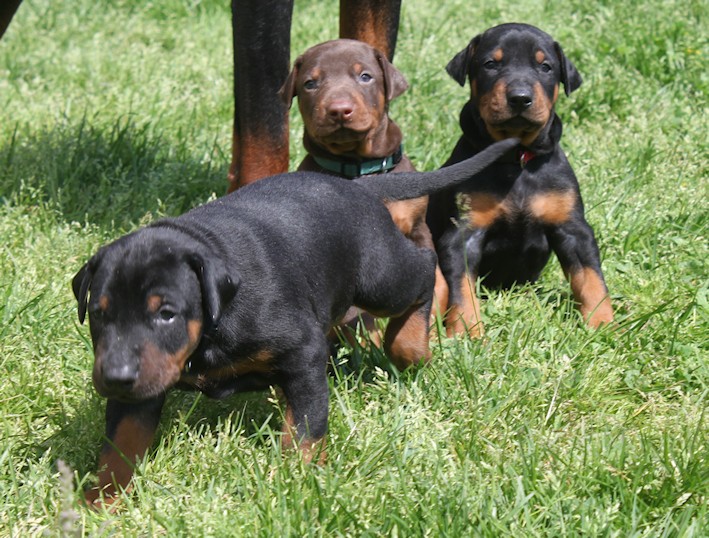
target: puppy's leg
304 385
130 429
440 294
464 313
406 337
459 260
591 294
410 217
575 245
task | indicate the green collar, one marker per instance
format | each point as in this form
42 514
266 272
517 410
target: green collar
350 168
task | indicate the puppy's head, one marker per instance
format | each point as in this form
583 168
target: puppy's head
149 297
514 72
343 88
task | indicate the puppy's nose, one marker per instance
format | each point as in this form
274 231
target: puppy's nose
120 376
520 99
340 110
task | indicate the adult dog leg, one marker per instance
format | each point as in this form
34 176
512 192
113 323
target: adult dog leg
375 22
261 31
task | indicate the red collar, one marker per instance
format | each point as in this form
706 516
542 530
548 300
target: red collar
525 156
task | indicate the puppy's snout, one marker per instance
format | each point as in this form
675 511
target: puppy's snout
119 376
120 370
340 110
520 98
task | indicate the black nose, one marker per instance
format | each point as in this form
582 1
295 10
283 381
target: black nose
520 99
120 376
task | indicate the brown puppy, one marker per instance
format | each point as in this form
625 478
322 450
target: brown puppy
262 31
344 88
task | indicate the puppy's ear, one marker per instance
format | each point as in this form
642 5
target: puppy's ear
288 91
81 283
570 77
459 66
394 81
217 285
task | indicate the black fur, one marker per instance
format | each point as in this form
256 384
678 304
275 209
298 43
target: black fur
240 293
528 203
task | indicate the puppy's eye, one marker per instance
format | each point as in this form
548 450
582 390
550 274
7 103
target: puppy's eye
365 77
490 64
310 84
545 67
166 315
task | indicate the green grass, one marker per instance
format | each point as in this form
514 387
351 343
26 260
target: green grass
116 113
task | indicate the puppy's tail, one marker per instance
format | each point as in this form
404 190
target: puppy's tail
406 185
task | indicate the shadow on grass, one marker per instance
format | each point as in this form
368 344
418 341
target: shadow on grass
79 438
257 416
110 176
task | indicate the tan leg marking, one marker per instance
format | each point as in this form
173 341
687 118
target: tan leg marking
256 156
592 295
466 318
309 448
440 295
406 339
116 463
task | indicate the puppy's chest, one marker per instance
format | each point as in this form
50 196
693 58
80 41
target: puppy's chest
523 204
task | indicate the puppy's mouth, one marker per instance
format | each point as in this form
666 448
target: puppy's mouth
340 140
137 392
136 378
515 127
517 122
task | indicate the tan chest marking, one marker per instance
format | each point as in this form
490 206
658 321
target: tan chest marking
483 209
552 207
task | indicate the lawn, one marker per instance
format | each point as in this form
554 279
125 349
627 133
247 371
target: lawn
117 113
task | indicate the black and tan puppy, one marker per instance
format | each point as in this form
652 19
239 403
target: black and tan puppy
240 293
528 203
344 88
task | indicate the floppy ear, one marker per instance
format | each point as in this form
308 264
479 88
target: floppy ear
81 283
570 77
218 287
287 91
394 81
459 66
